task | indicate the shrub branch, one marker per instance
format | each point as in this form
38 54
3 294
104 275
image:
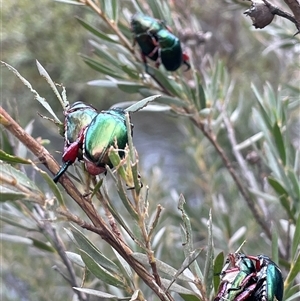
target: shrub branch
98 225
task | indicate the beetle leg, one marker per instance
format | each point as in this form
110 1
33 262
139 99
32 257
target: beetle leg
243 283
144 58
185 59
158 61
70 155
246 293
62 170
71 152
156 48
257 261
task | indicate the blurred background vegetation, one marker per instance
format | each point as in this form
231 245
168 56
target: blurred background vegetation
174 155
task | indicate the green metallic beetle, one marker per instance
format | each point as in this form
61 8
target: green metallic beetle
107 129
269 279
170 51
92 140
77 117
142 24
237 274
144 29
157 42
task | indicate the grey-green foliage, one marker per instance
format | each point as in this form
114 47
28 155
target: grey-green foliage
220 114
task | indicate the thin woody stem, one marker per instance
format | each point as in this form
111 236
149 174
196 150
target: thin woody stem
244 192
294 6
111 24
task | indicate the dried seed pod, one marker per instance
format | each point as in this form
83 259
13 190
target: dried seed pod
260 14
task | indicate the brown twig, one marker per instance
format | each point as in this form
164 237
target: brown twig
50 233
110 23
295 8
142 213
244 192
249 178
108 214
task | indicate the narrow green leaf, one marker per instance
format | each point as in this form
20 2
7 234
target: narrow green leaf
16 239
176 287
218 265
12 221
278 187
100 294
263 112
87 246
142 103
296 239
116 160
40 99
274 244
202 98
278 170
129 87
294 271
42 245
208 267
124 265
149 108
292 293
132 73
187 240
237 235
137 6
171 101
250 141
164 99
104 53
283 195
97 187
164 81
54 188
160 11
271 96
115 10
75 258
98 66
126 202
96 31
293 297
189 297
103 83
107 8
186 91
186 263
70 2
21 149
7 194
294 180
136 177
18 176
6 143
279 143
49 80
267 196
187 236
100 272
161 266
